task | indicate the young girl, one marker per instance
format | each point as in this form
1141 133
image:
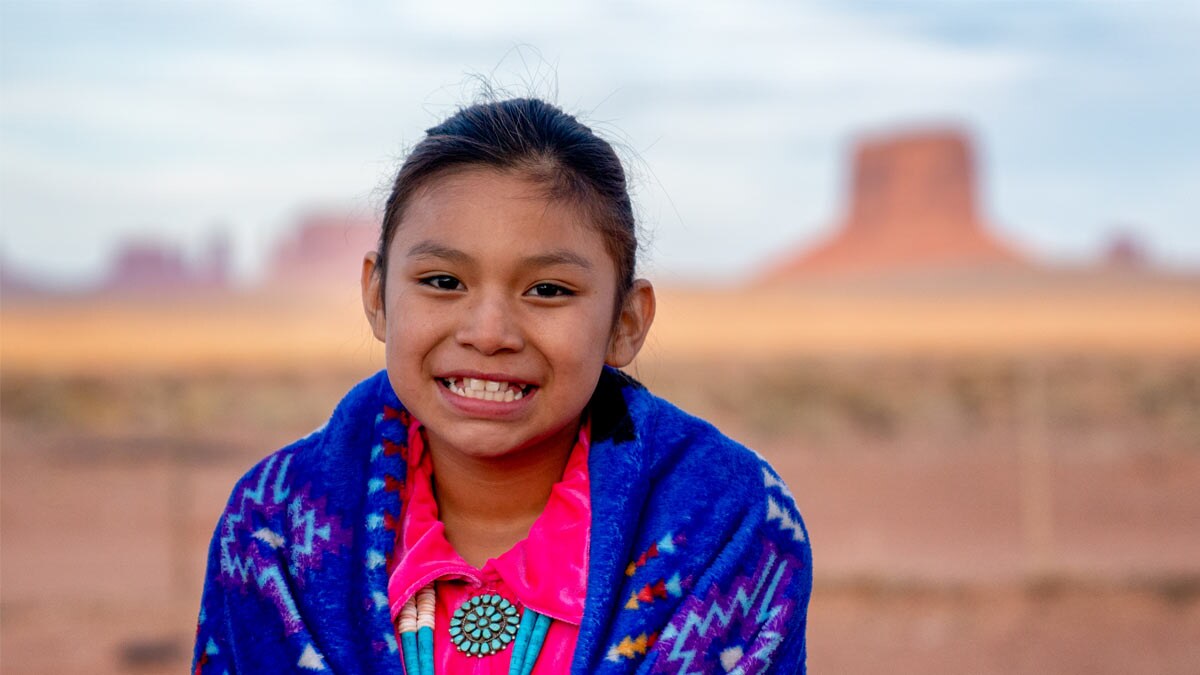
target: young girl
501 499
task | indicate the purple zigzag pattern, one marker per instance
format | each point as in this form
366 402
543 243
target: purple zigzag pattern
256 507
314 533
256 542
749 617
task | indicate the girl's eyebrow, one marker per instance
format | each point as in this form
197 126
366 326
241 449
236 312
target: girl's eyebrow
557 257
432 249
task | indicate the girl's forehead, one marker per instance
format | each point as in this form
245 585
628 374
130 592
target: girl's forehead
486 208
474 184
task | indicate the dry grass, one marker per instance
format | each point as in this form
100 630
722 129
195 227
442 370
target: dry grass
765 324
1056 315
119 334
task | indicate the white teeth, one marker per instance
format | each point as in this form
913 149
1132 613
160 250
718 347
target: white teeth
486 390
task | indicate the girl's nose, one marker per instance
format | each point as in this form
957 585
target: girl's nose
490 326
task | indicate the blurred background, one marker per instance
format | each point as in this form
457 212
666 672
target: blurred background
938 261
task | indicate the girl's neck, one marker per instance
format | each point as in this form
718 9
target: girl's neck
488 505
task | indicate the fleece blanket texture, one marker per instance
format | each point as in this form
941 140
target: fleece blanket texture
699 561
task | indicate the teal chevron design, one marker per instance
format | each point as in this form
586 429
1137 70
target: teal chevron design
305 520
271 580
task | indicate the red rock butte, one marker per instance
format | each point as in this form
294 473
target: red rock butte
912 207
323 249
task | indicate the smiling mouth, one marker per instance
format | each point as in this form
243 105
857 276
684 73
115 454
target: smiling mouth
486 390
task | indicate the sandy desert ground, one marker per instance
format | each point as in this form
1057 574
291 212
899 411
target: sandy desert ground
996 479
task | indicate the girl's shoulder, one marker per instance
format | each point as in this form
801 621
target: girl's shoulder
687 464
696 539
669 438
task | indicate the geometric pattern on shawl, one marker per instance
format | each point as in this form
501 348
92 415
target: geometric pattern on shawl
699 561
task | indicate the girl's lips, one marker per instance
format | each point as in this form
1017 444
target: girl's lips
487 389
481 407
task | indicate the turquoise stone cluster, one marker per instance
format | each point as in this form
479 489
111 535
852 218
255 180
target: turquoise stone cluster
483 625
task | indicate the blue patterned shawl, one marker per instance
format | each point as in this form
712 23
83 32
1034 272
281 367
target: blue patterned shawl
699 562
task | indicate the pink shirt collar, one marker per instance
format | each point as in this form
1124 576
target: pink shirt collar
547 571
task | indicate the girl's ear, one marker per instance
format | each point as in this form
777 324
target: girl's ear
372 295
633 324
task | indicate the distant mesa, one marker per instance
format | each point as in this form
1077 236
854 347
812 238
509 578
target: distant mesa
323 250
1125 251
154 267
912 207
16 283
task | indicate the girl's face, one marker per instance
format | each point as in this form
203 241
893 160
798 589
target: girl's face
498 315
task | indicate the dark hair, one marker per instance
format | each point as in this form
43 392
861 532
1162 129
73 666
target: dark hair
544 143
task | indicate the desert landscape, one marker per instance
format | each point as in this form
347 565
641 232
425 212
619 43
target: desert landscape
980 499
997 461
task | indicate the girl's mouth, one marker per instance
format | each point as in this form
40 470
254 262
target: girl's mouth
486 390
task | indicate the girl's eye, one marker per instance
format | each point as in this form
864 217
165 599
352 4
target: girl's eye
442 282
548 290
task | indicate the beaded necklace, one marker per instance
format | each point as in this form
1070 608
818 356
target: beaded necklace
480 627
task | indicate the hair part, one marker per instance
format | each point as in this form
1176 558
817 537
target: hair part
539 141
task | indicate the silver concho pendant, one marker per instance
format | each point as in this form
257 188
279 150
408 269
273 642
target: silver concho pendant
483 625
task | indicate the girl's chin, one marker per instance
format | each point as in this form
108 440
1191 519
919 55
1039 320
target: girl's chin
487 445
476 438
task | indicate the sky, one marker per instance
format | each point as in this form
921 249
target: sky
160 120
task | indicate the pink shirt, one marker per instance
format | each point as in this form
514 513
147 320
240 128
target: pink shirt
546 571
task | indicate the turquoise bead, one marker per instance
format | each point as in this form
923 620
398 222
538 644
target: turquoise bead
408 646
425 650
